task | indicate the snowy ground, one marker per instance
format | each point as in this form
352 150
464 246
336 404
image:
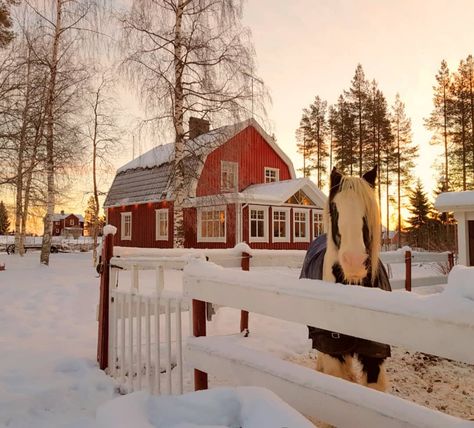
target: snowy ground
48 374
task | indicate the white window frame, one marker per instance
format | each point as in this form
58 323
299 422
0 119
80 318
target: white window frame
201 238
277 174
265 223
123 236
306 225
234 166
71 222
315 213
158 212
287 225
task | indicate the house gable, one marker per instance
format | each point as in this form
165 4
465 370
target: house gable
253 152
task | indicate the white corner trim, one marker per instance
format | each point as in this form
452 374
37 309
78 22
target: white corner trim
265 223
287 224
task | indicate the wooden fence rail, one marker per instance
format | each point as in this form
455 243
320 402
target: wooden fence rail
440 325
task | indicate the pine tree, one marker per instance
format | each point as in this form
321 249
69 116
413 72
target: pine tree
460 89
312 135
420 210
4 221
344 145
358 96
305 142
470 85
440 120
90 218
404 154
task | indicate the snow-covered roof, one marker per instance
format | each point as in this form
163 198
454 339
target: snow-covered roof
203 145
157 156
281 191
455 201
59 217
276 193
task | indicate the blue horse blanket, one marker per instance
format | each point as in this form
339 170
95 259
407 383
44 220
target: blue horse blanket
334 343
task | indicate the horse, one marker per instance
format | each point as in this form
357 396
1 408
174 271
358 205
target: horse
349 254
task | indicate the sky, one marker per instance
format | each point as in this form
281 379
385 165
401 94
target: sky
306 48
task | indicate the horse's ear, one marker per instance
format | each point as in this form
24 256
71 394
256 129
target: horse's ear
336 178
335 181
371 176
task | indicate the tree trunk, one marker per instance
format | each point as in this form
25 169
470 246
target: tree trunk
399 201
95 220
50 199
178 118
360 133
19 244
445 113
471 96
388 206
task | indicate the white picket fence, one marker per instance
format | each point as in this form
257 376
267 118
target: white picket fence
428 324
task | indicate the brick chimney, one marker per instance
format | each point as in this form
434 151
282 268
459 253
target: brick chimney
197 127
62 212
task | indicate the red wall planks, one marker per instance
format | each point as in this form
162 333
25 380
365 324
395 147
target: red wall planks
143 224
252 153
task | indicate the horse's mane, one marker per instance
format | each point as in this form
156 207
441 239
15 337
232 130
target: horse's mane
362 190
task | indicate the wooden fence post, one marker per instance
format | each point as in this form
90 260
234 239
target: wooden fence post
199 329
244 315
450 261
408 270
103 333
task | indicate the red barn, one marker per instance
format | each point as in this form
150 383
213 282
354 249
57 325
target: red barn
244 190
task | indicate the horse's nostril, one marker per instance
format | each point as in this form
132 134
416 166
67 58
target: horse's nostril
353 259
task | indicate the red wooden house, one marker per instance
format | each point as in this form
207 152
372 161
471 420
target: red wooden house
68 224
244 190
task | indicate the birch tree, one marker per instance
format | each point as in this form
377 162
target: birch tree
103 136
64 22
188 57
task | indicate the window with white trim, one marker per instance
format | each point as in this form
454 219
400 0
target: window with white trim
161 224
258 224
281 224
229 176
211 225
272 175
71 222
126 226
318 225
300 225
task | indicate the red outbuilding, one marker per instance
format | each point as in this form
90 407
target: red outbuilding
243 189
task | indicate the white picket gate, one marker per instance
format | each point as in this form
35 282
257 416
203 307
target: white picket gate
145 330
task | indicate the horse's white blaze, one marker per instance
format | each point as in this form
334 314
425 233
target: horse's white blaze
352 253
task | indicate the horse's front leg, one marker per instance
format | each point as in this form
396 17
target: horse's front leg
373 373
339 366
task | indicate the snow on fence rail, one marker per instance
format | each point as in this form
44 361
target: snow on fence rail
294 259
441 324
